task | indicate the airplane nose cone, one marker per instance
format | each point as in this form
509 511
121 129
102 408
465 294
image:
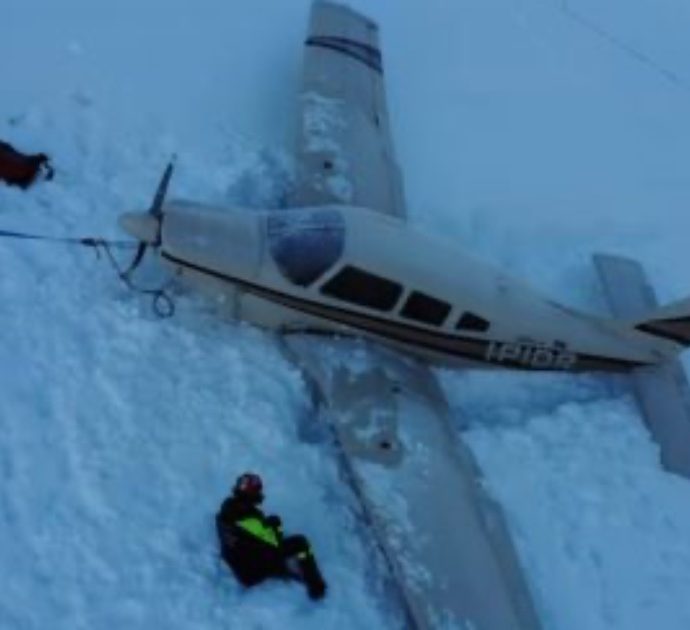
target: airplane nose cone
142 226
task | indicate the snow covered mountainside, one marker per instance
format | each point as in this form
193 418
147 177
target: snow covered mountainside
533 132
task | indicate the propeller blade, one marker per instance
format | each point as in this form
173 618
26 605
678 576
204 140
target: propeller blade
157 205
155 211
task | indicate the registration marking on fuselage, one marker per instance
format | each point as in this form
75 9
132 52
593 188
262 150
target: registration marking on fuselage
537 356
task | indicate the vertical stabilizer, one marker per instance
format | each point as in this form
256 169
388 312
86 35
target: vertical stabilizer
670 322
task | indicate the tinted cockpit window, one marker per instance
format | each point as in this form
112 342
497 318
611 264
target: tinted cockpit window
305 243
425 308
470 321
363 288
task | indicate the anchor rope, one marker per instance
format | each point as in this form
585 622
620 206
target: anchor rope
161 303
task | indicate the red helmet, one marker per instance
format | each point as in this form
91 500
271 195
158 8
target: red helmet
250 486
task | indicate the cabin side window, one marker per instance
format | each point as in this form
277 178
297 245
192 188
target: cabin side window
363 288
425 308
470 321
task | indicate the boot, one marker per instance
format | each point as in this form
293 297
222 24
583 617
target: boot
313 580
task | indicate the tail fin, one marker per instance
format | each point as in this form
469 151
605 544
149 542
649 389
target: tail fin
670 322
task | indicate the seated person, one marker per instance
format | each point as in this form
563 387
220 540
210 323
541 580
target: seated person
253 545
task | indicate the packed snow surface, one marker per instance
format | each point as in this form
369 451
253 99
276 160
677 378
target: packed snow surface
532 132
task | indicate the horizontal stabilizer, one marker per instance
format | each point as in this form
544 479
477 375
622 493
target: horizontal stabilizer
661 391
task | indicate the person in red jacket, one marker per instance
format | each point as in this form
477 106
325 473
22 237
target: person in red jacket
253 544
19 169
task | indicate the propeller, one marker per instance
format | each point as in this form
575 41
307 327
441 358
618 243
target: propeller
147 226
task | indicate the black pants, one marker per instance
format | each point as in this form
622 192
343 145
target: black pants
253 561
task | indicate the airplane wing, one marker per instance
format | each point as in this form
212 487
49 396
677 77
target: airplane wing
445 541
345 150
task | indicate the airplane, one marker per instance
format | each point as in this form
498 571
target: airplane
343 262
347 270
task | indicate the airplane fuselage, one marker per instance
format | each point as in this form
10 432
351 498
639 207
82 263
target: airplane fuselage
350 271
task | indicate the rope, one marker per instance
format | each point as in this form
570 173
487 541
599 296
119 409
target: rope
88 241
161 304
626 48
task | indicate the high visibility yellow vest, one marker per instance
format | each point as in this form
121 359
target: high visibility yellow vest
258 529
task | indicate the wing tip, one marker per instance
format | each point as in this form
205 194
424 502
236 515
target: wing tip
340 7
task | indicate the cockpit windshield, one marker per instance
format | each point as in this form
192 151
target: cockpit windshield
305 243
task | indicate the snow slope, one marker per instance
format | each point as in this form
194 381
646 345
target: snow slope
534 132
122 433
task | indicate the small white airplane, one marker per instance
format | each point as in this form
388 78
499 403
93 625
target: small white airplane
343 259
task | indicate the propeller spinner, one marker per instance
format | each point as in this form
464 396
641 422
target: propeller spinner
146 226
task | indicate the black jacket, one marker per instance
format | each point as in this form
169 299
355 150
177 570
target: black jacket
250 541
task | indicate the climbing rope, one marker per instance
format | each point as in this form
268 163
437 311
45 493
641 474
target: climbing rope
161 302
